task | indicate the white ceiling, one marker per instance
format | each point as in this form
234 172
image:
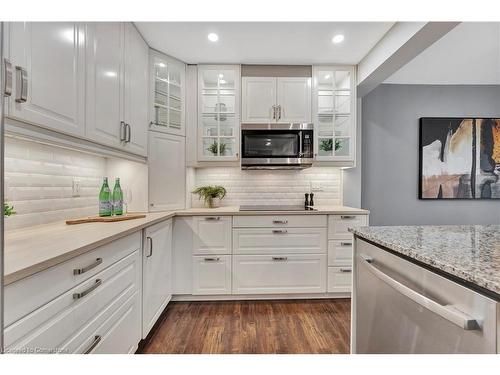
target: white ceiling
469 54
264 42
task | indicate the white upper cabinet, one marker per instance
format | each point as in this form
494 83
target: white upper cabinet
135 109
218 112
105 70
276 100
293 99
51 58
258 98
167 94
117 86
167 171
334 113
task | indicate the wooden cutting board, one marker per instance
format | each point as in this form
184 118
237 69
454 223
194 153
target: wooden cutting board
105 219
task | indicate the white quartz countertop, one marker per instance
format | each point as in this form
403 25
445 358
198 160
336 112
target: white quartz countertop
34 249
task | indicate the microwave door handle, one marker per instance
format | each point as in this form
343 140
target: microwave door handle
301 149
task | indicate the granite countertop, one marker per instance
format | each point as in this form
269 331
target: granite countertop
469 252
34 249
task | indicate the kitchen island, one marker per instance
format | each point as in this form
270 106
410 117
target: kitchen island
426 289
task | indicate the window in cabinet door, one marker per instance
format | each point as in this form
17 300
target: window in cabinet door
333 107
219 113
168 80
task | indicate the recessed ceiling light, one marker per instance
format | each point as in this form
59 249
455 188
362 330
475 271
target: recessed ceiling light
213 37
339 38
161 65
110 74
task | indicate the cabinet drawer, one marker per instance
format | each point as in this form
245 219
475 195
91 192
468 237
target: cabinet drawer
211 235
26 295
279 241
52 325
339 279
300 221
340 253
267 274
338 225
211 274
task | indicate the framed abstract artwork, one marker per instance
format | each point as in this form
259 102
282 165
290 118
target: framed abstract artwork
459 158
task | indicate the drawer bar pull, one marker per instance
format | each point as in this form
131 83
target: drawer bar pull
97 283
212 218
280 231
280 221
211 259
79 271
346 244
346 270
97 340
348 217
280 258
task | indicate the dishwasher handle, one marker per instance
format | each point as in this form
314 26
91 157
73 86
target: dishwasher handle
447 312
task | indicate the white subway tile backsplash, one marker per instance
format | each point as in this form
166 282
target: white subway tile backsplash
272 187
39 182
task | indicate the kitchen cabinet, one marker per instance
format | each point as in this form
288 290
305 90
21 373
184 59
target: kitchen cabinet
117 90
334 113
50 56
211 275
211 235
218 112
167 86
157 273
276 100
167 171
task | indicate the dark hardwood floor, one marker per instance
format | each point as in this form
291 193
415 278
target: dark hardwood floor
247 327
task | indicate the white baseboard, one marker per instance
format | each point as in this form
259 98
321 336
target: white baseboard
256 297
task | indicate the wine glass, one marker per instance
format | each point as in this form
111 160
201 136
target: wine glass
127 199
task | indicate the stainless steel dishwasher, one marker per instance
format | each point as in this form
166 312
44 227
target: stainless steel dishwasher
400 307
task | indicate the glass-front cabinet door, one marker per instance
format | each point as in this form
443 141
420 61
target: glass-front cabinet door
334 113
167 76
218 112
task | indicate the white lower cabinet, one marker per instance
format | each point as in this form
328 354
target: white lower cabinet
340 253
157 275
211 235
269 274
211 274
339 279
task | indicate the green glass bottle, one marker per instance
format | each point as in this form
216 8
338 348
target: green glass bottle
105 207
117 198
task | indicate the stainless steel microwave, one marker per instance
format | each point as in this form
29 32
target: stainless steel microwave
276 146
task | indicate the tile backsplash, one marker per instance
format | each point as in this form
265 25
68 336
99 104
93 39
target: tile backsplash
39 182
246 187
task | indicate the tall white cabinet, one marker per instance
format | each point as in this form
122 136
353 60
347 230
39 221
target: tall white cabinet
334 103
276 100
49 82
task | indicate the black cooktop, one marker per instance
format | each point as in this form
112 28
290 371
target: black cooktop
276 208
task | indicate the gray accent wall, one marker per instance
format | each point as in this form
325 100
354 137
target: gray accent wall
390 157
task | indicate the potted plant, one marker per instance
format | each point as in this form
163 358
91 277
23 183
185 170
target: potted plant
209 193
213 148
327 145
8 210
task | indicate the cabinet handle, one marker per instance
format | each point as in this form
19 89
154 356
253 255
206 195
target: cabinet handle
212 218
279 112
97 340
21 84
346 270
273 108
346 244
97 283
79 271
211 259
150 242
348 217
280 231
128 132
280 221
7 91
279 258
123 131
